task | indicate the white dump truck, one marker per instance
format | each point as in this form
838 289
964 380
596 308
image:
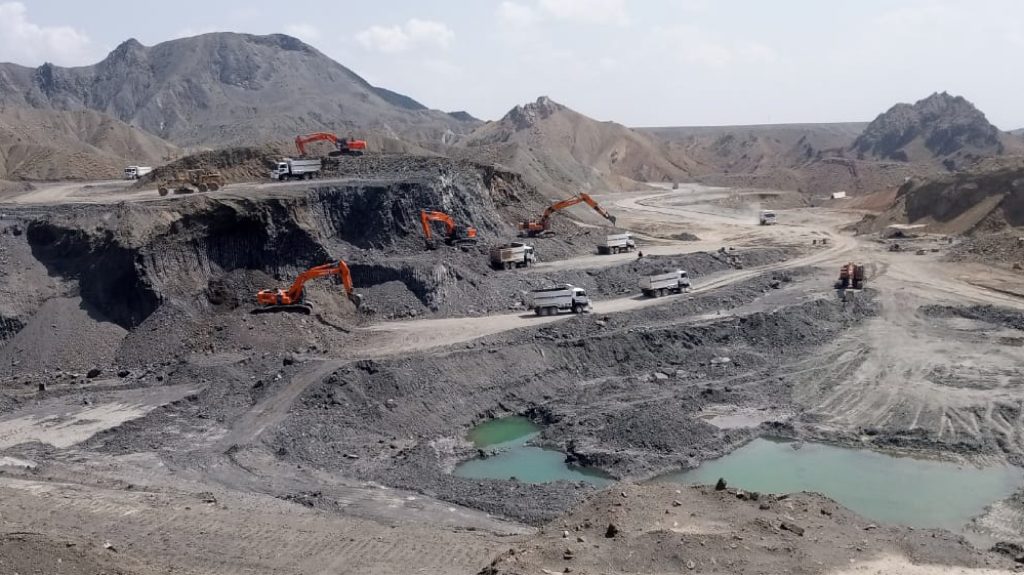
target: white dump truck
767 218
512 255
669 282
136 172
565 297
616 243
289 169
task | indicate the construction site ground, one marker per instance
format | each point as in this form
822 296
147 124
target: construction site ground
286 444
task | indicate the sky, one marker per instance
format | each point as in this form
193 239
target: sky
639 63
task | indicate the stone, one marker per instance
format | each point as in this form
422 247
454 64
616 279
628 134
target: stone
612 531
93 373
288 359
721 485
660 376
792 528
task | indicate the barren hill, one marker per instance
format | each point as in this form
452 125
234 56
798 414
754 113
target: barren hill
558 149
938 129
226 88
987 198
813 158
83 144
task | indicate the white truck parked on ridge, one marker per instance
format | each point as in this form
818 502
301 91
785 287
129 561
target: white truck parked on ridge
616 243
136 172
512 255
289 169
565 297
661 284
766 218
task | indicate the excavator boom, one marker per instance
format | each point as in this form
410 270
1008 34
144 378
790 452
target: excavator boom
342 146
453 233
292 298
542 225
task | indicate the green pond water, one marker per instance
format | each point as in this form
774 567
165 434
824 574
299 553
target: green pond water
508 436
884 488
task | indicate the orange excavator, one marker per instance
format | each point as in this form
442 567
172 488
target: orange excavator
346 147
541 226
851 276
293 299
455 234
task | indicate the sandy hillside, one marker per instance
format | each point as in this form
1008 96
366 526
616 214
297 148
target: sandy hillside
54 145
559 150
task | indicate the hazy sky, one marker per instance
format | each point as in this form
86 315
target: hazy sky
641 63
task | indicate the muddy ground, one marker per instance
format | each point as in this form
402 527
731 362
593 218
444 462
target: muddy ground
144 406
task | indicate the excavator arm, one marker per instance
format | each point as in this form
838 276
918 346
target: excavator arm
301 141
541 225
342 146
452 230
427 216
284 299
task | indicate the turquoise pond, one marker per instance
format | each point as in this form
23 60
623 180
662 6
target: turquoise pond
508 436
881 487
885 488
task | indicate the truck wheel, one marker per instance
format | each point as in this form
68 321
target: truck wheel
162 191
508 265
538 311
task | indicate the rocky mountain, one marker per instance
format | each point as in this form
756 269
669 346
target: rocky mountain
560 150
941 129
226 88
82 144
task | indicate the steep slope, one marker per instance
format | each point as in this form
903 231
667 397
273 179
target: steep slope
987 198
83 144
941 129
226 88
560 150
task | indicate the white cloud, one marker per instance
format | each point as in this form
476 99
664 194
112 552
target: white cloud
587 11
400 38
517 15
27 43
693 46
307 32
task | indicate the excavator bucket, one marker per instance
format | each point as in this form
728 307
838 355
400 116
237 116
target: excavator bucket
356 299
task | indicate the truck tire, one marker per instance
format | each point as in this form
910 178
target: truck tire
162 191
508 265
538 311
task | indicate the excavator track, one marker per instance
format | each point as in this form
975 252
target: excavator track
302 308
